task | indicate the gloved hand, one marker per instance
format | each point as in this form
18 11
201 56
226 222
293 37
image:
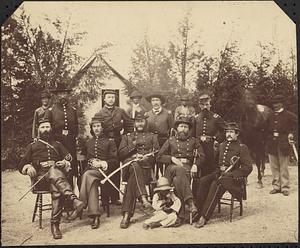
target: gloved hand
291 139
31 171
194 170
60 164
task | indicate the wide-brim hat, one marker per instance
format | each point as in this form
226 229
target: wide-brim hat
61 88
45 94
156 95
232 126
277 99
135 94
140 116
183 119
162 184
43 120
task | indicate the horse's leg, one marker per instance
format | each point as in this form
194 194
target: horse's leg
263 160
258 165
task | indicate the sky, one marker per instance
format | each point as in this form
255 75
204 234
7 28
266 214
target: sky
214 24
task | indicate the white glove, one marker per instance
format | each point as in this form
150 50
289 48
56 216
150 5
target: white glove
291 138
31 171
176 161
194 170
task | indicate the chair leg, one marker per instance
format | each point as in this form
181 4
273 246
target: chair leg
35 207
231 208
40 210
241 208
219 206
107 209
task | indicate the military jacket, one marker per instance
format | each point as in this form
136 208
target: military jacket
161 123
114 120
64 120
279 125
229 149
38 114
101 147
38 151
138 142
212 125
175 147
184 111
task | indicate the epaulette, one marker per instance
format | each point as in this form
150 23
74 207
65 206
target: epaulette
215 115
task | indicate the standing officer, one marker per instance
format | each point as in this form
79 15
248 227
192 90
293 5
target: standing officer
101 153
138 174
40 112
282 126
184 109
136 106
232 152
209 130
114 120
65 125
160 120
184 156
49 156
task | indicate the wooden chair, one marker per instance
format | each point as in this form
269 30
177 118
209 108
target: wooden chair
39 206
230 201
105 205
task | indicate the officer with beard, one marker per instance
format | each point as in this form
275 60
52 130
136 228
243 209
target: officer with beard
209 130
138 174
183 156
40 112
232 152
65 125
49 156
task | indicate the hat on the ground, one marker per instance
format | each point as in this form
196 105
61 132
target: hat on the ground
43 120
162 184
141 115
135 94
183 119
232 126
156 95
60 87
45 94
277 99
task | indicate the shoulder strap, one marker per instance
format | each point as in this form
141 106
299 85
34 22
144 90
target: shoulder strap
46 143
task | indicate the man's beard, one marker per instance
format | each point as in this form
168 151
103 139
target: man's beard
45 135
139 128
182 135
205 112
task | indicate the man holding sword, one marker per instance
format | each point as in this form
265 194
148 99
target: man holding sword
49 162
234 165
137 145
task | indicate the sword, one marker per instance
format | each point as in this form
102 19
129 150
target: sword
110 181
295 151
34 185
125 165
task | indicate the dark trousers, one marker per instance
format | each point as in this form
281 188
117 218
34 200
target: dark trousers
108 190
216 190
60 190
209 164
135 187
180 177
161 141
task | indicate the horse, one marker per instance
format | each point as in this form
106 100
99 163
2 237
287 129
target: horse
253 125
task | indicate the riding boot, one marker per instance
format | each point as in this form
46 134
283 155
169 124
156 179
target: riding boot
125 221
78 206
96 222
56 216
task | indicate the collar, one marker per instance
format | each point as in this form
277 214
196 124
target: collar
157 111
135 105
45 107
279 110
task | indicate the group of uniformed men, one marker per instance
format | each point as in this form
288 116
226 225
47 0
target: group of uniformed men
203 159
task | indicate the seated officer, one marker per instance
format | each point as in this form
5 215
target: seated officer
101 153
183 155
48 156
138 174
234 164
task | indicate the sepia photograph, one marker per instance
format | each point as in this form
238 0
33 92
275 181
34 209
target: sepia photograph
139 122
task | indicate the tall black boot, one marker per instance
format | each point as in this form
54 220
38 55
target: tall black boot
56 216
125 221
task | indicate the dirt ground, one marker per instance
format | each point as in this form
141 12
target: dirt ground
267 218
